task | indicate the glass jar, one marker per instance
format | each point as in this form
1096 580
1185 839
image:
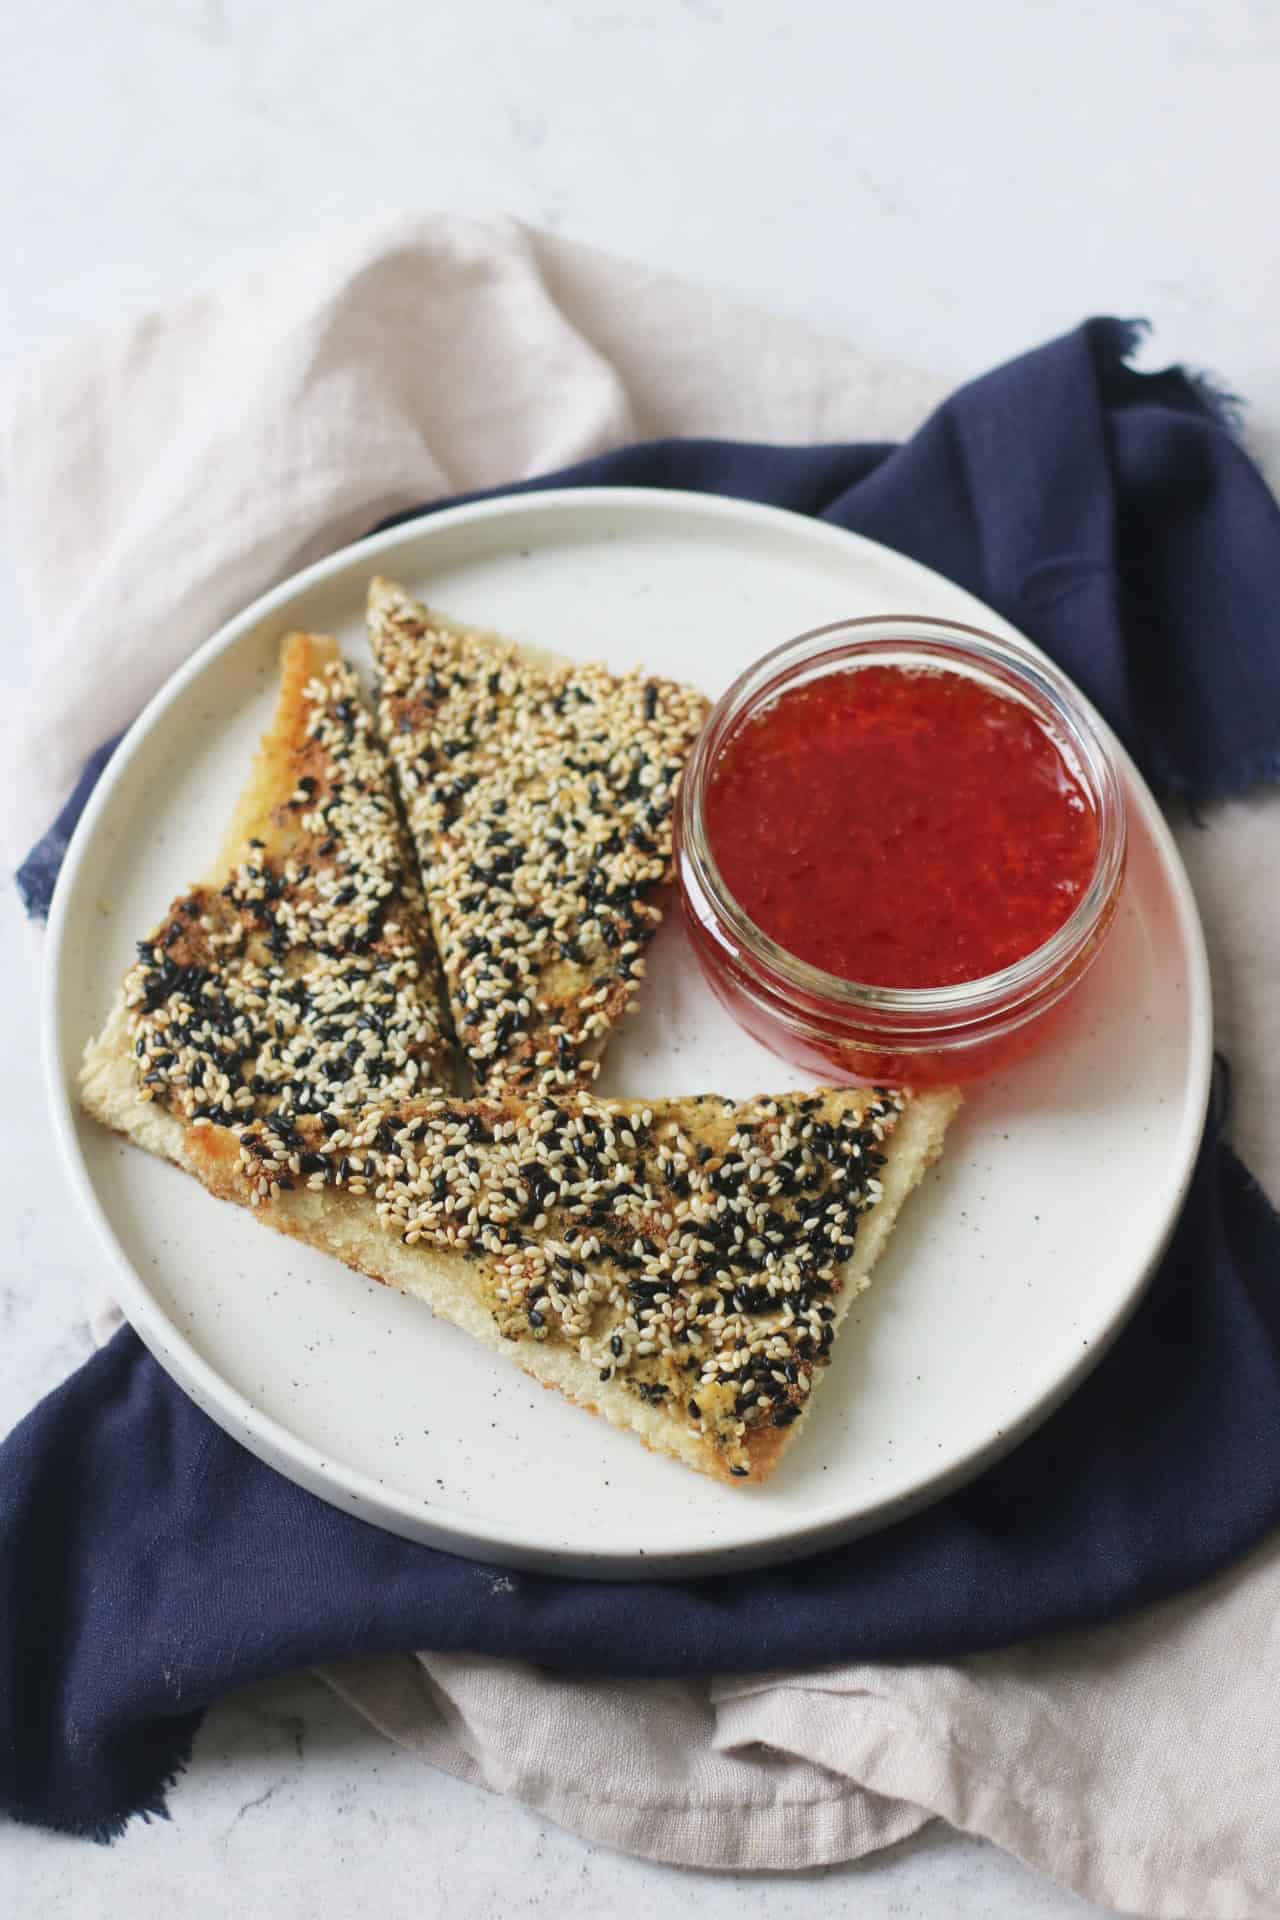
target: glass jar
899 1036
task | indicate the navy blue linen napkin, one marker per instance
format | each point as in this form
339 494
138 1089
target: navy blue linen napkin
149 1564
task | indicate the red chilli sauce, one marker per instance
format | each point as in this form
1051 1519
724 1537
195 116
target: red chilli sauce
900 828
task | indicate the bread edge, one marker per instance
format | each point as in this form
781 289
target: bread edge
302 656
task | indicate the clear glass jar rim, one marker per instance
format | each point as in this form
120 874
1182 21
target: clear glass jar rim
1034 675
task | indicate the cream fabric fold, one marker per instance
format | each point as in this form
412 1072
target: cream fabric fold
158 479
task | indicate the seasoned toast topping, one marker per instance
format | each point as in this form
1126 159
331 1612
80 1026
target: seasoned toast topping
540 802
693 1249
300 984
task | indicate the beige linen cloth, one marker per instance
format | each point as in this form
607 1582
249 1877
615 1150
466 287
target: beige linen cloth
159 479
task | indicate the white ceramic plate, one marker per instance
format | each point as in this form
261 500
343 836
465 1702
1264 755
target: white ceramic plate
1011 1269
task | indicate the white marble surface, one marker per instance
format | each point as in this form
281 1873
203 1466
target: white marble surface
945 183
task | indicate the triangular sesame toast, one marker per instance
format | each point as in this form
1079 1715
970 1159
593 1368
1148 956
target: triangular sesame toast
301 971
540 800
680 1266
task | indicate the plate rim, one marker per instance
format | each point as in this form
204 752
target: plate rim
450 1529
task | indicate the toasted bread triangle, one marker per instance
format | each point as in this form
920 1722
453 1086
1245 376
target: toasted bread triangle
540 800
681 1267
301 971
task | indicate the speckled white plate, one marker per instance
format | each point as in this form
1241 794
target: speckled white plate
1011 1268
